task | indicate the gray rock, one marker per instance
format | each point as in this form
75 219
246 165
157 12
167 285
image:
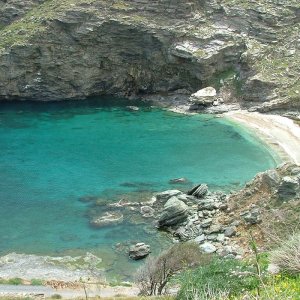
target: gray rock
215 228
295 171
107 219
221 237
139 251
251 217
230 231
206 205
174 212
206 96
208 248
198 191
288 188
166 195
200 239
206 223
271 178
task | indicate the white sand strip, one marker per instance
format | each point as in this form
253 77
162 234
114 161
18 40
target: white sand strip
281 133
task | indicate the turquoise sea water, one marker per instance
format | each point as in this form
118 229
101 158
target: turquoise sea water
53 154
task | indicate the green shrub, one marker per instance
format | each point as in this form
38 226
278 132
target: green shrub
222 277
15 281
152 278
36 281
56 296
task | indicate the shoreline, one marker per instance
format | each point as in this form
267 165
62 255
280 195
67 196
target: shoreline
281 134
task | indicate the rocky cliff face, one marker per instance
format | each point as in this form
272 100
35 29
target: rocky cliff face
52 50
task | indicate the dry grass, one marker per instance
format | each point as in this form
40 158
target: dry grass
287 256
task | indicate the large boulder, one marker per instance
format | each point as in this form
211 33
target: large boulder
139 251
289 186
206 96
174 212
107 219
198 191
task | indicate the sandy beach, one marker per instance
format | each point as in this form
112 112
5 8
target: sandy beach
280 133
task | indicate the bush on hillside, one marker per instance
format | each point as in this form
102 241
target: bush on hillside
153 277
287 255
220 279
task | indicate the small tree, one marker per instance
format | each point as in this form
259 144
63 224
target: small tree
154 275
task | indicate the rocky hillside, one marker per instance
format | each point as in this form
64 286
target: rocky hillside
52 50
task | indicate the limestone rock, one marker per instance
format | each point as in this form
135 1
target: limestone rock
174 212
206 96
139 251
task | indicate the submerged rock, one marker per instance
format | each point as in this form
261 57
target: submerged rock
139 251
174 212
178 180
147 211
107 219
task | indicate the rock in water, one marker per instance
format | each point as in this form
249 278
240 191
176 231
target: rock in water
178 180
107 219
139 251
206 96
198 191
174 212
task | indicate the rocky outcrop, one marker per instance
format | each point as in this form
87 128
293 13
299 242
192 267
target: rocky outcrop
288 188
12 10
174 212
67 50
139 251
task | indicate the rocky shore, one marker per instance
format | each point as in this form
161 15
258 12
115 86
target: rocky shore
218 222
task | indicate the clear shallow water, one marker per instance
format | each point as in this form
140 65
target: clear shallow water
54 153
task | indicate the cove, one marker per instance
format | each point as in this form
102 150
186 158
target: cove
58 159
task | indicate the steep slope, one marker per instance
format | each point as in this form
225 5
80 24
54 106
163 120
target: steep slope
78 48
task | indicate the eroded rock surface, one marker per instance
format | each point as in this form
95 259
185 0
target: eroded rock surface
53 50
